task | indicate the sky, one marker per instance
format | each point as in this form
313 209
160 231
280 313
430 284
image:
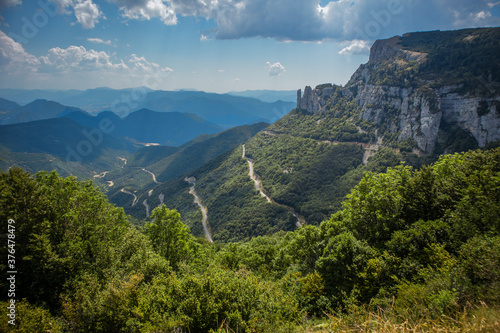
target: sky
210 45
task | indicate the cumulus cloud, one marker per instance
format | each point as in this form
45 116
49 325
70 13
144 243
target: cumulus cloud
300 20
87 14
147 9
275 69
13 57
77 58
76 64
356 46
141 64
99 41
308 20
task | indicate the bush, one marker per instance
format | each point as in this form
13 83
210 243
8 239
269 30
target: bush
30 318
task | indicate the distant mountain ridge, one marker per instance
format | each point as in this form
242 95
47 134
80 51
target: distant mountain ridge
146 126
74 142
267 95
223 109
63 145
37 110
6 105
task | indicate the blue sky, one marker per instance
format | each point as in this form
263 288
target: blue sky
211 45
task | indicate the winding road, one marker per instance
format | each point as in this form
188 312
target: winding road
145 203
259 187
128 192
204 210
255 177
152 174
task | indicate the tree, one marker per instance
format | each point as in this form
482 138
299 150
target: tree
170 237
63 227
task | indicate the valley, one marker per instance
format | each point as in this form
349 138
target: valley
367 207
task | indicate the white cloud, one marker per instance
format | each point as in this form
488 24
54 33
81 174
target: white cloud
275 69
99 41
147 9
300 20
13 57
307 20
356 46
77 58
87 14
63 5
141 64
78 66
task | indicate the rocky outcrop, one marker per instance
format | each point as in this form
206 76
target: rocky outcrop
479 116
392 92
414 114
414 110
389 49
314 100
417 113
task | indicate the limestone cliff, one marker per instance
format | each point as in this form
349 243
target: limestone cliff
396 88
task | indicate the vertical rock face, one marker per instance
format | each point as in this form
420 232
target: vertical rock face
421 111
314 100
391 94
478 116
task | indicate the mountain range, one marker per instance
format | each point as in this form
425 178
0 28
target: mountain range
404 105
226 110
13 113
75 142
419 96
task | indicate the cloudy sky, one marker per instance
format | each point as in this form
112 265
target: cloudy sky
211 45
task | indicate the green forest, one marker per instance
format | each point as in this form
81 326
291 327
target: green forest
411 249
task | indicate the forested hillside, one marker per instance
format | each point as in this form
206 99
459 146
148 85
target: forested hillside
410 250
402 106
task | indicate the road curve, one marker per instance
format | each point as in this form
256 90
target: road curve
254 177
204 210
145 203
152 174
128 192
259 187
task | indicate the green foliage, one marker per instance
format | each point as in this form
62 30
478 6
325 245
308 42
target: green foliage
480 263
303 173
456 56
372 209
169 236
65 227
29 319
418 244
412 226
